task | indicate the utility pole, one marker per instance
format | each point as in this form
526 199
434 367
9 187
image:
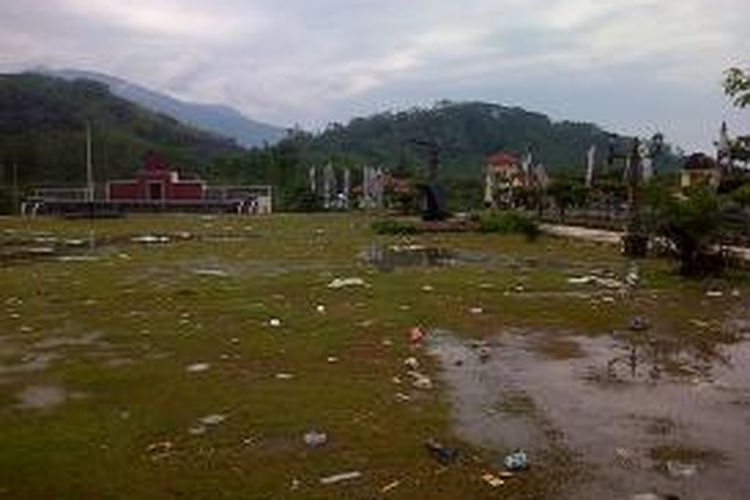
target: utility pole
89 166
16 197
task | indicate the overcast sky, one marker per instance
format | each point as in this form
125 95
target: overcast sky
634 66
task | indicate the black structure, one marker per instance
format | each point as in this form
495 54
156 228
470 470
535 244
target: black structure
433 206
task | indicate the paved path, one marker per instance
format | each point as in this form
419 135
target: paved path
615 237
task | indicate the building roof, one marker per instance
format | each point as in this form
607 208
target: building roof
502 159
700 161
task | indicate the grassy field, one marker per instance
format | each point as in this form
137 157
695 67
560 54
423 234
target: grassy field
97 401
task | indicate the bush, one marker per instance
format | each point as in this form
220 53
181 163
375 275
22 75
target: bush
392 226
509 223
693 226
301 200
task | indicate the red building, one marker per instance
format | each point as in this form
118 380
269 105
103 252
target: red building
156 182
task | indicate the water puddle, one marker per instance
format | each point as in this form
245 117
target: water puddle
41 397
389 258
643 413
19 248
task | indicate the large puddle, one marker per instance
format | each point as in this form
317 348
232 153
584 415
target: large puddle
19 248
644 414
389 258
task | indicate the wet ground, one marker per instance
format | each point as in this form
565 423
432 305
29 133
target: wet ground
644 412
191 354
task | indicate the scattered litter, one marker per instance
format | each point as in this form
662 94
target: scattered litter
314 439
516 461
427 288
714 293
442 454
476 310
346 282
160 447
150 239
197 430
77 258
484 354
387 342
416 334
519 288
404 307
248 441
681 469
627 457
421 381
197 367
477 344
402 398
337 478
388 487
608 300
217 273
492 480
274 322
583 280
295 484
411 363
639 324
40 250
284 376
332 359
214 419
396 380
597 280
633 276
735 292
320 308
653 496
700 323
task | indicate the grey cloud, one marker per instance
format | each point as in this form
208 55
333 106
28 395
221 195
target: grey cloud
630 65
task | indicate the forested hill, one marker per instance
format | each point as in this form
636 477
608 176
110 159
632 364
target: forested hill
467 133
42 131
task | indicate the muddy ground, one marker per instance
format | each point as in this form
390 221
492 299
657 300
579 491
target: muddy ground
155 357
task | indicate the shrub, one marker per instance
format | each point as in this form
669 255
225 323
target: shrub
692 225
509 223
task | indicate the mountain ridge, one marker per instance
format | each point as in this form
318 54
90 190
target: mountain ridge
216 118
43 123
467 131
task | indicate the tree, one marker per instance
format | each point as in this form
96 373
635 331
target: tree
561 192
737 86
692 225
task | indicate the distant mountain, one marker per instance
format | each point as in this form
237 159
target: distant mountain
221 120
42 131
467 132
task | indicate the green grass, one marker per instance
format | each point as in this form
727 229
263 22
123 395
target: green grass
154 316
